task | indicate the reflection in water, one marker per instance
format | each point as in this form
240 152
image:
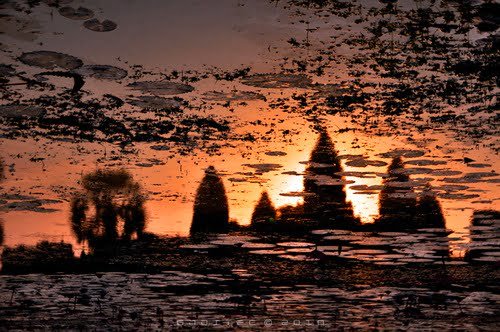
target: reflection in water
141 301
325 204
117 205
44 256
401 208
264 212
2 175
289 214
211 208
324 194
429 213
325 197
404 84
397 202
484 230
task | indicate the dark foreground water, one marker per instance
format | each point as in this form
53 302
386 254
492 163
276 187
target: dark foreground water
177 300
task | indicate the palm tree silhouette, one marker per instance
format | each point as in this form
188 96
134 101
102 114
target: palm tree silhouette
110 207
325 197
211 208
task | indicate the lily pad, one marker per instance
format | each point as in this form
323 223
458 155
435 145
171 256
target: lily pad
6 70
267 252
198 246
278 81
100 26
263 168
57 2
403 153
255 245
275 153
102 72
50 60
233 96
19 111
154 102
362 162
161 87
80 13
295 244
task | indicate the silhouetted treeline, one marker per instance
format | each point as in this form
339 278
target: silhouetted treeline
211 208
43 257
110 207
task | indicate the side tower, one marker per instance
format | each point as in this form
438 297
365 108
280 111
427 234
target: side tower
211 208
397 200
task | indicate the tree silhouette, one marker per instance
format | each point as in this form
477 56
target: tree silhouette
325 197
397 200
110 207
264 211
429 213
211 208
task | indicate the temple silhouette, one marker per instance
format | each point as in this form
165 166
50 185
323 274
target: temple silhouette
211 208
264 212
397 199
110 207
325 197
428 210
325 203
401 208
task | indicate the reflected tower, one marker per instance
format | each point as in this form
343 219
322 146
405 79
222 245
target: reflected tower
325 197
429 213
484 231
397 200
211 208
264 211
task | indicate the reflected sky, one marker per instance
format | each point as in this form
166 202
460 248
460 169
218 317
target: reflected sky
206 37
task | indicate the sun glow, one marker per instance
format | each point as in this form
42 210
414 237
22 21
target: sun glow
292 184
365 206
